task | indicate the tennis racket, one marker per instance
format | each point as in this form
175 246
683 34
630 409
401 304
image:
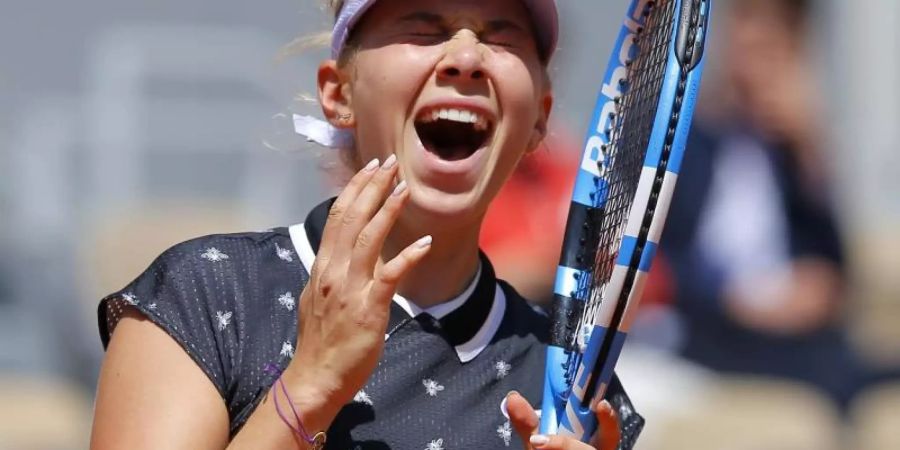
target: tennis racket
622 193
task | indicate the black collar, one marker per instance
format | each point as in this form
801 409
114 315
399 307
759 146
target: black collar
468 327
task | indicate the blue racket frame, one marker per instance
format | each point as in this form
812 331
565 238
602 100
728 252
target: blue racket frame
566 407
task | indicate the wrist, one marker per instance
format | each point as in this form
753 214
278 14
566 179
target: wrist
316 402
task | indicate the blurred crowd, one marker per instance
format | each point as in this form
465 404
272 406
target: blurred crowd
756 329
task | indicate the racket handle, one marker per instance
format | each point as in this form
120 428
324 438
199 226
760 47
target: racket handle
579 420
555 389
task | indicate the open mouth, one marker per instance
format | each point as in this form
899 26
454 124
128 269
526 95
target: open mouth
453 134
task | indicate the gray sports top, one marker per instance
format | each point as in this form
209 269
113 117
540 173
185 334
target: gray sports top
231 302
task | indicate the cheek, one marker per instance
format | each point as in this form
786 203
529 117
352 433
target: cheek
381 93
379 97
379 79
520 95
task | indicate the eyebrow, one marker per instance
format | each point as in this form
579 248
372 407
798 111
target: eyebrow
503 25
422 16
495 25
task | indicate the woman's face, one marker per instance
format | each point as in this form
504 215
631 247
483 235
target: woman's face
456 89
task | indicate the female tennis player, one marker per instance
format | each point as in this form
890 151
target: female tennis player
376 323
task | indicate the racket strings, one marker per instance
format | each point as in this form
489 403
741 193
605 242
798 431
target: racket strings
629 135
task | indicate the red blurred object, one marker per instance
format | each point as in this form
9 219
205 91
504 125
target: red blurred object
523 229
660 287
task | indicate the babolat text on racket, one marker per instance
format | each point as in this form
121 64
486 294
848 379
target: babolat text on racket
623 189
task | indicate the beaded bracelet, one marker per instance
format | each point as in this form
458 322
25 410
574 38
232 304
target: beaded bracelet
317 441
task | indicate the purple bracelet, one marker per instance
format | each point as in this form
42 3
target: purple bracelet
316 442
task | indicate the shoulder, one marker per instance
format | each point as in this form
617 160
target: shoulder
207 280
234 248
237 261
213 271
228 299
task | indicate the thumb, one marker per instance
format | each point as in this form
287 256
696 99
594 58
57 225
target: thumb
522 417
608 432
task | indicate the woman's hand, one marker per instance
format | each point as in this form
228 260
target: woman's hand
345 306
525 422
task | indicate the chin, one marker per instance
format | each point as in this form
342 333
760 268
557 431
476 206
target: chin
432 210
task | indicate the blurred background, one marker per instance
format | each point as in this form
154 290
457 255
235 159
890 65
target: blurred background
772 318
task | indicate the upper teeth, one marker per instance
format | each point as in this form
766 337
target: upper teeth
458 115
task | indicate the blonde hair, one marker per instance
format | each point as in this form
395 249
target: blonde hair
316 40
335 6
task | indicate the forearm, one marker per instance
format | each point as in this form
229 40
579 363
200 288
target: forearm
809 300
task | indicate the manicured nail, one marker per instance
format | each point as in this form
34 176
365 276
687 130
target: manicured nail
371 165
389 163
539 440
424 242
401 187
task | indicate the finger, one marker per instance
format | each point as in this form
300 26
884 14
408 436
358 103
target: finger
336 214
362 210
521 415
608 432
544 442
389 274
370 241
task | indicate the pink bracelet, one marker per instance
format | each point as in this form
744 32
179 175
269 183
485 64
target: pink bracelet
316 442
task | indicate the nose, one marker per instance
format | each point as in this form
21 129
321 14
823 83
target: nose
463 59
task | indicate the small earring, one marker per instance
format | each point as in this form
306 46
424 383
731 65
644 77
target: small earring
345 117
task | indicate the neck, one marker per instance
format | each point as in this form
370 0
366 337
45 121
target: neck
445 272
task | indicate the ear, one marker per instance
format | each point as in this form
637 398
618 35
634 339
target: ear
540 127
334 95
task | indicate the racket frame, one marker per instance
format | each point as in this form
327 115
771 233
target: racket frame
591 371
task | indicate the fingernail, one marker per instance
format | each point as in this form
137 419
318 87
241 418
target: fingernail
389 163
400 188
539 440
424 242
511 393
372 165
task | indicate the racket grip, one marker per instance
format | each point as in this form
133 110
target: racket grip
579 420
555 389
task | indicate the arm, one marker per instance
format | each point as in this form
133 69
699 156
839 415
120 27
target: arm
807 293
808 301
157 397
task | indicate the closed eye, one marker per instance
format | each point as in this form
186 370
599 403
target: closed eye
433 34
507 43
427 37
423 26
504 33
